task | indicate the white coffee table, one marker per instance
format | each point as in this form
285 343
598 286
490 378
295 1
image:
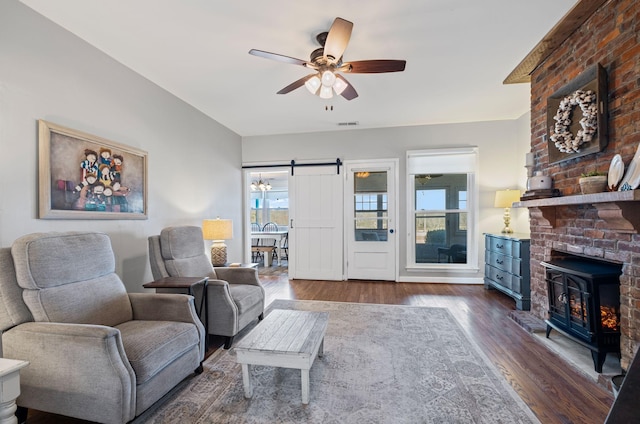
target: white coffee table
286 339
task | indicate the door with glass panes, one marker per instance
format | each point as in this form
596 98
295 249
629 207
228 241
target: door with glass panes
370 225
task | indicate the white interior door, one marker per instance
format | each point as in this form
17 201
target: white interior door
370 221
315 230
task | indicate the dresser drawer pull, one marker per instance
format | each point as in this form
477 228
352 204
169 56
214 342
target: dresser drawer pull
499 262
499 246
499 277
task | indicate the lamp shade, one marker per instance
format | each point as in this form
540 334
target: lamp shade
313 84
505 198
217 229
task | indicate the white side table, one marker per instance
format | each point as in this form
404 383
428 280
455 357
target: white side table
9 388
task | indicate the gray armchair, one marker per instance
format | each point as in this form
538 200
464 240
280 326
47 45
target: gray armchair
95 351
235 296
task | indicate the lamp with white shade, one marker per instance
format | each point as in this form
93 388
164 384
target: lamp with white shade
504 199
218 230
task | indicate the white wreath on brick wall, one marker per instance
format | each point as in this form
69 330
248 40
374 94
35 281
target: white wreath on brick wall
564 140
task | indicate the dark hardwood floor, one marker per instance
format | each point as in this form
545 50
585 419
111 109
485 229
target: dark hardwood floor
554 391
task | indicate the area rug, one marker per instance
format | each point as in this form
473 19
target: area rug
381 364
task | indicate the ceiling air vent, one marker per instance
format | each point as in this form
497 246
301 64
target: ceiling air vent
348 124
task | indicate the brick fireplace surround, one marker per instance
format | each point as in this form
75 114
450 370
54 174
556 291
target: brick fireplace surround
611 37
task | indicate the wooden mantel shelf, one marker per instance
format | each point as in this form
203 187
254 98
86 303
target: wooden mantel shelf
620 210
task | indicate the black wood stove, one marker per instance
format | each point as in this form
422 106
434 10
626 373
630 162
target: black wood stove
584 304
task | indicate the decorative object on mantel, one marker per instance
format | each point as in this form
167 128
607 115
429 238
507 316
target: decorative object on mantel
538 187
593 182
631 178
540 194
504 199
577 116
539 182
616 171
529 163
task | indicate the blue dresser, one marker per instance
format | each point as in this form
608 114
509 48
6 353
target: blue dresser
506 266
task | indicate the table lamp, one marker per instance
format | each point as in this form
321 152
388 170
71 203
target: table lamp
218 230
504 199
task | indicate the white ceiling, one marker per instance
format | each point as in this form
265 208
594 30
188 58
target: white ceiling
458 52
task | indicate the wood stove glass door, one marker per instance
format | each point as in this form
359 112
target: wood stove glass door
578 305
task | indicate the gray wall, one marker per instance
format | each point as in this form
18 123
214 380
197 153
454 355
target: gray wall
194 162
48 73
502 145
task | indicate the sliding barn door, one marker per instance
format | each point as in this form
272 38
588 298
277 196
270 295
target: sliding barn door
315 230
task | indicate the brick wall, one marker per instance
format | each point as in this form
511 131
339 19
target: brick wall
610 37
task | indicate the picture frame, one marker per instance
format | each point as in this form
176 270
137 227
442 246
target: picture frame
83 176
594 79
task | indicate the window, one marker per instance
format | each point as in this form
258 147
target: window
272 204
441 209
371 206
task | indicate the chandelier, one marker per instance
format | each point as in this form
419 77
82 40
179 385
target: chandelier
423 178
260 185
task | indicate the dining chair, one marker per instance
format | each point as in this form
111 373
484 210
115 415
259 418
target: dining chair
256 254
270 226
285 247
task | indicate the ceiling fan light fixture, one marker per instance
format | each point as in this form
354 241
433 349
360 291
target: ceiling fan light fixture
326 92
339 86
313 84
328 78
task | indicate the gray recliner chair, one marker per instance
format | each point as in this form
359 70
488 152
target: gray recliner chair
235 296
95 351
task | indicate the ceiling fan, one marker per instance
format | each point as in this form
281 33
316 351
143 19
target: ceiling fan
328 64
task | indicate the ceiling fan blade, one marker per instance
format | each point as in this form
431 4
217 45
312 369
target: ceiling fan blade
337 39
349 93
279 57
373 66
296 84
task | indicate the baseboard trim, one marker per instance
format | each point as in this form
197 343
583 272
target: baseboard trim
444 280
